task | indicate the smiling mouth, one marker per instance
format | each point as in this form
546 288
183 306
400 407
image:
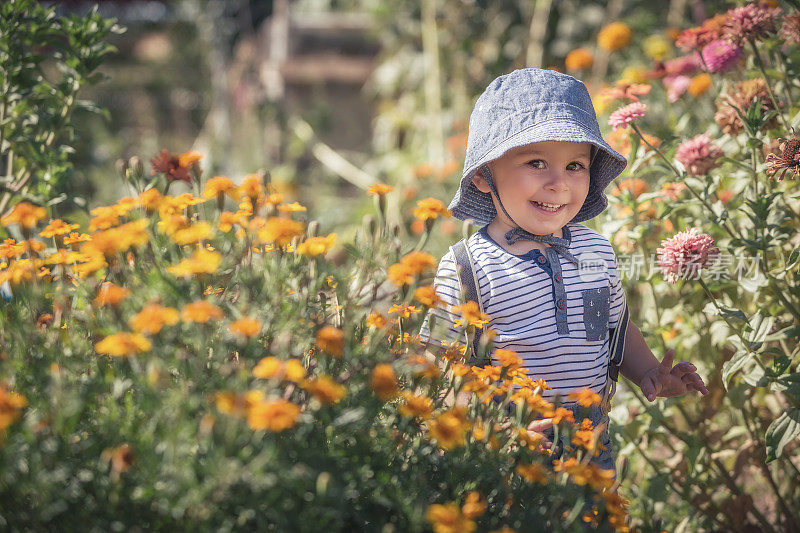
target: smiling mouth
549 208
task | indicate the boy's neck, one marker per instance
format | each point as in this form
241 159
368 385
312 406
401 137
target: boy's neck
497 230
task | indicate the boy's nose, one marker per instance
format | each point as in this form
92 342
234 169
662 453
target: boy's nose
558 181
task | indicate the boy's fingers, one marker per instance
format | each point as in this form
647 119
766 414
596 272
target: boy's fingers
537 426
666 363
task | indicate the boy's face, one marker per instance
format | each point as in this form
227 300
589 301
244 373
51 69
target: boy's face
553 173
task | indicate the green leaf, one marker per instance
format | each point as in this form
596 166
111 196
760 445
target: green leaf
781 432
760 327
349 416
734 364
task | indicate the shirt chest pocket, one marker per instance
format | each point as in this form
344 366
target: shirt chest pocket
596 304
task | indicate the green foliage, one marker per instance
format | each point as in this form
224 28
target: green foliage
45 60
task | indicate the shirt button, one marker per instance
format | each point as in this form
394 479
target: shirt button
560 303
557 278
541 259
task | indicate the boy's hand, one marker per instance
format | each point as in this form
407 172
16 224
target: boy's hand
667 381
538 426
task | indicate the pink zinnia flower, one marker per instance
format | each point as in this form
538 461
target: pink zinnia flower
698 155
625 115
685 65
721 55
676 86
751 22
685 254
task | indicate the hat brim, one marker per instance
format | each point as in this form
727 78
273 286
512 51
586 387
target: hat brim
470 203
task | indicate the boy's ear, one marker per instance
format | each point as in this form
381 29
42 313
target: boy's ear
480 183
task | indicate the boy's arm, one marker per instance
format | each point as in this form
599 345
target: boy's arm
656 378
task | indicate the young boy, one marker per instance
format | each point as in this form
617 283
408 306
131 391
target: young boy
536 166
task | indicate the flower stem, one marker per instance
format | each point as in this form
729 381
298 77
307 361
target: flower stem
760 63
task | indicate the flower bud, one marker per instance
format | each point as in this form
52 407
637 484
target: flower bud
136 165
122 168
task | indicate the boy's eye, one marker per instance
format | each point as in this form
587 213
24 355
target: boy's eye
534 162
574 165
578 166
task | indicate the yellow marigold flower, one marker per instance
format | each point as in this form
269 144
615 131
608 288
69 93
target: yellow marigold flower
448 519
384 381
418 262
539 404
150 199
699 84
562 414
251 186
450 428
57 227
430 209
634 74
274 368
11 404
507 358
280 230
314 246
62 257
294 207
201 311
228 219
376 320
403 310
273 415
615 36
10 249
424 367
90 262
427 296
237 404
400 274
379 189
25 214
199 231
535 473
324 389
579 59
246 327
584 438
104 217
74 238
331 340
110 294
415 406
152 318
656 47
219 185
189 158
123 344
470 314
580 474
454 351
20 271
475 505
542 384
585 397
202 262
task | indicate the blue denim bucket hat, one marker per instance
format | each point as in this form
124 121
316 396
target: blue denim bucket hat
526 106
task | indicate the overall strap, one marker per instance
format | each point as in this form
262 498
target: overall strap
468 281
616 349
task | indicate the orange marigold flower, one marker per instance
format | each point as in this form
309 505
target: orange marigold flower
379 189
699 84
274 368
507 358
57 227
400 274
562 414
251 186
273 415
427 296
475 505
152 318
201 311
150 199
579 59
450 428
293 207
636 186
25 214
613 37
237 404
11 404
219 185
415 406
123 344
331 340
202 262
246 327
448 519
110 294
403 310
315 246
539 404
585 397
384 381
535 473
189 158
324 389
280 230
430 209
418 262
228 219
74 238
121 458
470 314
376 320
104 217
199 231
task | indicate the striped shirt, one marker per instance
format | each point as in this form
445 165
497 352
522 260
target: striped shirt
522 296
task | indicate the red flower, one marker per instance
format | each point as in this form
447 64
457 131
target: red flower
169 165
